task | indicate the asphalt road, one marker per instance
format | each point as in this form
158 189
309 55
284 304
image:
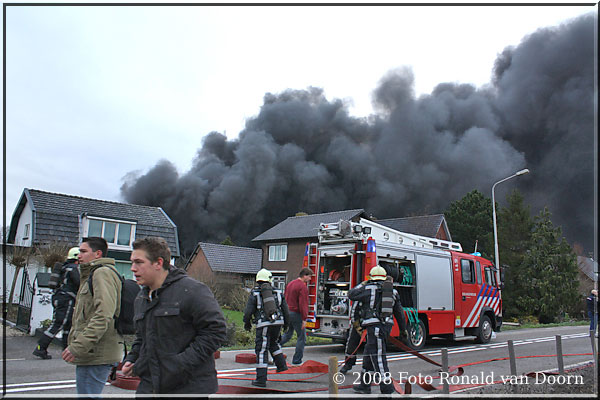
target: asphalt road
26 375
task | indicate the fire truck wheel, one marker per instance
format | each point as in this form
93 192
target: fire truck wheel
484 333
416 339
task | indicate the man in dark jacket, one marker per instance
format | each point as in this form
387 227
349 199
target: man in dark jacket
179 326
65 279
592 309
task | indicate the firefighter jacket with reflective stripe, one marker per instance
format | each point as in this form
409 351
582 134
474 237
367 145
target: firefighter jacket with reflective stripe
367 297
69 280
255 313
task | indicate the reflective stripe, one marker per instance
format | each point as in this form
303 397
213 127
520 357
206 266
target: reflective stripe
371 321
269 323
277 352
379 351
260 360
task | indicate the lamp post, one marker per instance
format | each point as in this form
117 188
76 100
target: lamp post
518 173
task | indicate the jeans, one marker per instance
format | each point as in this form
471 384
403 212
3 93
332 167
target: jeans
91 378
296 325
593 323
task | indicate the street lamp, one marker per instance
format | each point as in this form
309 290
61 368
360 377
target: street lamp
518 173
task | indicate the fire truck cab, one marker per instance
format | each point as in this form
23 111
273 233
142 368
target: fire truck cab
444 292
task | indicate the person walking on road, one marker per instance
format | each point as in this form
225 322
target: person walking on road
267 308
592 310
94 343
296 296
379 303
179 326
65 282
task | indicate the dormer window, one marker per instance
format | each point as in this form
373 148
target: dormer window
118 234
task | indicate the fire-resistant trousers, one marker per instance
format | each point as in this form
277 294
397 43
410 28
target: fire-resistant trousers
352 348
61 320
266 342
375 358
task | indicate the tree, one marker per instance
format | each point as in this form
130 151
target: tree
549 286
515 227
228 242
19 257
470 219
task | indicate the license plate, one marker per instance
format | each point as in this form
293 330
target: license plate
310 324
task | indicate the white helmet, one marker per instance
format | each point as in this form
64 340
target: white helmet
73 253
378 273
264 275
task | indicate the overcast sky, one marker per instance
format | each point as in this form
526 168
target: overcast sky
93 93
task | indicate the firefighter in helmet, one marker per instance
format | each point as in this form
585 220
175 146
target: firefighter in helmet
266 307
64 280
378 302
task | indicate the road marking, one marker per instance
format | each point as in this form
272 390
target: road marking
16 359
40 383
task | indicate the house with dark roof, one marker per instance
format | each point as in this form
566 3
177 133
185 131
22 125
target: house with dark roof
223 262
283 245
41 218
433 226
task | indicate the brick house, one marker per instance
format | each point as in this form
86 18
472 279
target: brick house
433 226
283 245
224 263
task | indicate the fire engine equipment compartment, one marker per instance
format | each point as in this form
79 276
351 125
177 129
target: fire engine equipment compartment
332 298
435 289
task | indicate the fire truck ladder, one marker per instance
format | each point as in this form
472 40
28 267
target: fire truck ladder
312 284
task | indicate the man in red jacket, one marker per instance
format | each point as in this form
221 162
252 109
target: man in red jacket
296 296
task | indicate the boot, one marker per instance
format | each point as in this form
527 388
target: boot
386 388
350 361
261 377
41 353
279 361
362 387
345 368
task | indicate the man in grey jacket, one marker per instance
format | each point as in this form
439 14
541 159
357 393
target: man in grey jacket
179 326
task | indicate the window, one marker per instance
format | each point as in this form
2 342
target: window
478 272
277 252
490 276
124 268
26 233
279 282
467 270
249 282
117 234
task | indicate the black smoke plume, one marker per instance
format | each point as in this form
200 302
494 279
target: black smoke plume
303 152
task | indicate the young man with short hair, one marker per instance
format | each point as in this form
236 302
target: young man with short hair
93 344
179 326
296 296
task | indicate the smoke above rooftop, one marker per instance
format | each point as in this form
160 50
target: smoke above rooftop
304 152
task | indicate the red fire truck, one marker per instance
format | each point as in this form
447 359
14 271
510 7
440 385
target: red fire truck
444 292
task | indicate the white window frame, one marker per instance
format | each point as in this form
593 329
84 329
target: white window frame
276 254
111 245
26 231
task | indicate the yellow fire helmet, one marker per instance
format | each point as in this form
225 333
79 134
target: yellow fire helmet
378 273
73 253
264 275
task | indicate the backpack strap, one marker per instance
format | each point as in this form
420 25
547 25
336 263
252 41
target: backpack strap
90 278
